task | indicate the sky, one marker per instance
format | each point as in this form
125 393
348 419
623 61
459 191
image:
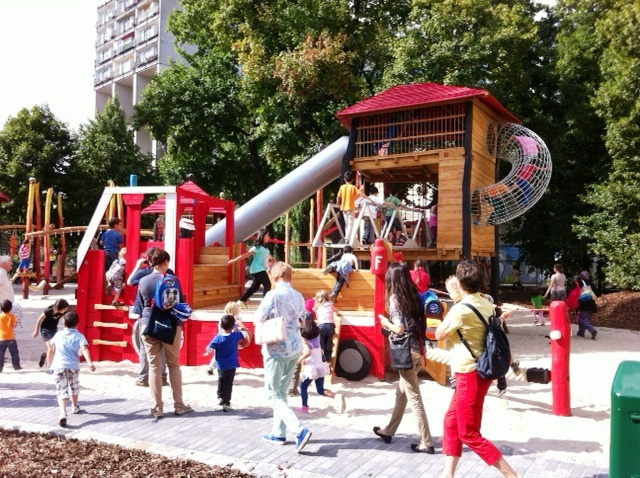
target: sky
47 51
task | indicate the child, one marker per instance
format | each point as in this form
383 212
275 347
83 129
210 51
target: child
314 368
538 315
346 198
420 276
111 241
396 227
342 267
232 308
67 346
368 210
324 312
115 277
8 322
47 326
24 254
260 265
225 346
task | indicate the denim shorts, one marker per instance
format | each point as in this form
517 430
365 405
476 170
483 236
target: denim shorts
47 334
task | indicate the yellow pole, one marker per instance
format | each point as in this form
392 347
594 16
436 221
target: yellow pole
112 203
30 200
286 237
47 238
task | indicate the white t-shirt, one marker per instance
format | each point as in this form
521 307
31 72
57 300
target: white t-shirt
368 209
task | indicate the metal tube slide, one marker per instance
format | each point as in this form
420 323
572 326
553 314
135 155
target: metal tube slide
294 188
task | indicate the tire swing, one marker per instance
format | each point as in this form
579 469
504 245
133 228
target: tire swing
354 360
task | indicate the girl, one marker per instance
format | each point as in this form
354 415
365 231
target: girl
420 276
261 262
314 368
47 326
233 309
404 309
325 312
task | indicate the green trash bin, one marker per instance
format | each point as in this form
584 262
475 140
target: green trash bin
624 453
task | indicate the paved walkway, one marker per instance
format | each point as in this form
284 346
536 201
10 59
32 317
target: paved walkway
214 437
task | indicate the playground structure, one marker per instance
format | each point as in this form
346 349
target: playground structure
424 133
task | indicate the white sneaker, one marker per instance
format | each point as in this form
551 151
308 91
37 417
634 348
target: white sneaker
341 403
75 410
241 304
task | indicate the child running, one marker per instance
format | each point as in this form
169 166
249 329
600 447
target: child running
47 326
225 346
232 308
67 346
314 368
325 312
8 322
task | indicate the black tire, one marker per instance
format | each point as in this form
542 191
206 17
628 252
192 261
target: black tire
354 360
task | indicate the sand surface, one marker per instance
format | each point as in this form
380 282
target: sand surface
522 419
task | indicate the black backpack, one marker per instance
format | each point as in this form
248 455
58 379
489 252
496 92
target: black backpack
494 362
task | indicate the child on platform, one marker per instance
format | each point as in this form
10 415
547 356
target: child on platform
346 199
342 267
314 368
225 347
8 322
325 312
67 346
115 277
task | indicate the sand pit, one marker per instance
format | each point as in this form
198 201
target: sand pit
521 419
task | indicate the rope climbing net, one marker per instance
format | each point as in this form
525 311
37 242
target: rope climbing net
524 185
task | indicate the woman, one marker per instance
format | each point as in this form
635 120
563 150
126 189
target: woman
262 261
154 347
280 359
404 309
557 285
463 419
586 307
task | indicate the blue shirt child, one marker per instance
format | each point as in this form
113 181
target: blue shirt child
226 347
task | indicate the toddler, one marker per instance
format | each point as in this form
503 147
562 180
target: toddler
8 322
225 346
313 367
115 277
233 309
67 346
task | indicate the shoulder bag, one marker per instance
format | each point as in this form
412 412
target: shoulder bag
273 330
400 349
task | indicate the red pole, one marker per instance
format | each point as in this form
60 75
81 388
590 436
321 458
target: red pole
560 348
379 269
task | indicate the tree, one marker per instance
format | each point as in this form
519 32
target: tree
35 144
613 228
106 151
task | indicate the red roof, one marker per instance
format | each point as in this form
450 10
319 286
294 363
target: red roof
420 94
158 206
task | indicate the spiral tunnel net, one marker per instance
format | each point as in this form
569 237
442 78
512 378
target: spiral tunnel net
524 185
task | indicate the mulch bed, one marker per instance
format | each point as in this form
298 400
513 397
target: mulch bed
617 310
36 455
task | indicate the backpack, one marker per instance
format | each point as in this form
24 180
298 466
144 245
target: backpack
494 362
167 292
572 297
116 267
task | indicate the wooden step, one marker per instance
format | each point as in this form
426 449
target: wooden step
207 296
214 255
210 274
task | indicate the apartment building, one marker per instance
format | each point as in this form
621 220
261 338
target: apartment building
132 45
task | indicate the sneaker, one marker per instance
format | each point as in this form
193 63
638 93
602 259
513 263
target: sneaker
156 412
341 403
304 409
63 421
75 410
141 383
227 408
182 409
274 439
580 334
241 304
17 368
210 371
117 303
593 335
165 382
50 371
43 357
293 392
501 392
302 439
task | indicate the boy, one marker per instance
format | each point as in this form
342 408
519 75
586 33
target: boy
225 346
67 346
396 228
111 241
369 210
346 199
342 267
115 277
8 322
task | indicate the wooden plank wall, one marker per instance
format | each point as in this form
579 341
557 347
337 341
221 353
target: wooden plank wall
482 174
358 296
450 171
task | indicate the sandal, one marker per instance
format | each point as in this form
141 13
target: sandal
156 412
416 447
385 438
